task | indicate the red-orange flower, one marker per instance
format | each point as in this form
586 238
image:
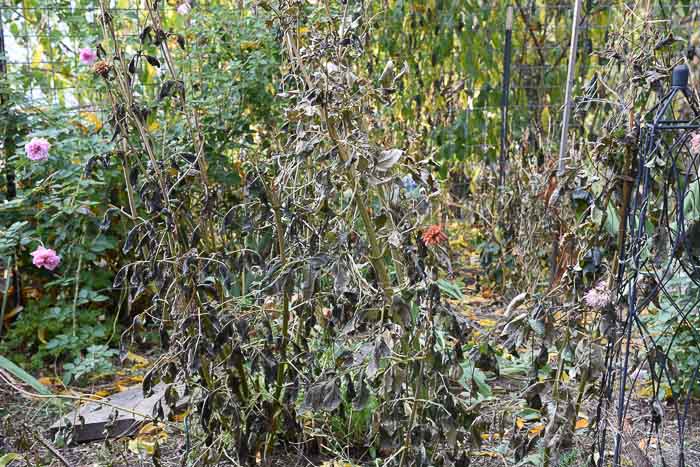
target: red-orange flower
434 235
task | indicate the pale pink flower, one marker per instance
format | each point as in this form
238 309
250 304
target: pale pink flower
37 149
184 8
45 258
695 143
598 297
87 56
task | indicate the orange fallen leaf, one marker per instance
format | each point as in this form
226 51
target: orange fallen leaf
49 381
180 417
581 423
536 429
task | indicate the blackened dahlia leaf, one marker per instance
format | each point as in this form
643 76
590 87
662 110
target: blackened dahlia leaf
331 396
130 238
387 159
107 219
145 35
360 400
153 61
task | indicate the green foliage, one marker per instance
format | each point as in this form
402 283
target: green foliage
97 361
57 206
571 458
43 331
676 357
69 203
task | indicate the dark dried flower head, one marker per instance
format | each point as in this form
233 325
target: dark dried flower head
434 235
102 68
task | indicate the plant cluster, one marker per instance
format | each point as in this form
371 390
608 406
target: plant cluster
294 281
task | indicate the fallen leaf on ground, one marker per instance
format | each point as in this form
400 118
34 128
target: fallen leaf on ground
536 429
581 423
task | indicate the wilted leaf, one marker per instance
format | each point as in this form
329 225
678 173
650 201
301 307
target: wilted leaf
387 159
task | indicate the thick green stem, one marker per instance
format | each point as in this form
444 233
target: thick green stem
376 253
75 294
8 281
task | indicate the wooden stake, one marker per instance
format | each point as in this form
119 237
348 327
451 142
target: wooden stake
564 142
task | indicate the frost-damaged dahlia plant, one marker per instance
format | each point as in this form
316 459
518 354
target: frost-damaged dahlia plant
298 300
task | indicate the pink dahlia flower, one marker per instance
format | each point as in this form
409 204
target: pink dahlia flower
598 297
45 258
695 143
87 56
184 8
37 149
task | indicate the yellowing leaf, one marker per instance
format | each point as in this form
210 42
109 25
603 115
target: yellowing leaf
15 311
37 56
6 459
581 423
520 423
181 416
151 429
41 335
487 323
92 118
138 359
250 45
49 380
142 445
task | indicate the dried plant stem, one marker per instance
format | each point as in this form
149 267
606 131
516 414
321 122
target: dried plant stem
126 94
75 294
376 252
52 449
281 368
414 412
192 119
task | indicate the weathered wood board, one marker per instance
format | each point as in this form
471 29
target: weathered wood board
121 414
